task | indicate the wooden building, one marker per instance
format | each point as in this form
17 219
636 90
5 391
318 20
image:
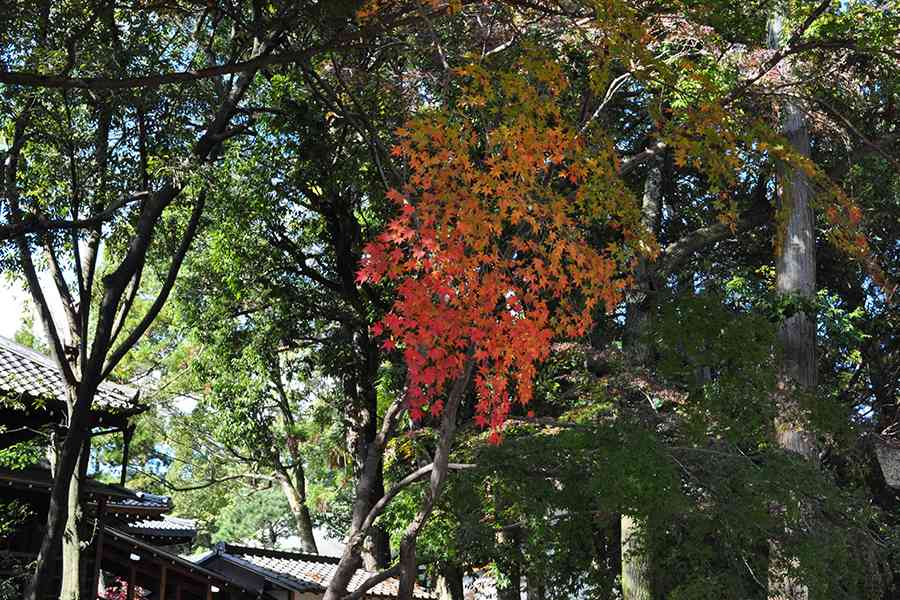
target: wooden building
131 539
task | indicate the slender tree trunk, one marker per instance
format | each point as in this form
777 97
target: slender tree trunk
795 267
350 558
408 562
636 566
513 589
293 479
295 492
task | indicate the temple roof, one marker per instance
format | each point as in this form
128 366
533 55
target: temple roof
26 373
33 396
119 544
167 526
299 571
118 499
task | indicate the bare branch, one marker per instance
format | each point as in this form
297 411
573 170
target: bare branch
630 163
153 311
11 167
676 253
38 223
206 484
371 582
38 80
62 287
791 47
400 485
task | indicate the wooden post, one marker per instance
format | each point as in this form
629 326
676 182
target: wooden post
126 445
162 582
98 549
208 591
129 593
178 590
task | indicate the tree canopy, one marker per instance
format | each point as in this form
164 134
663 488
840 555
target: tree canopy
583 297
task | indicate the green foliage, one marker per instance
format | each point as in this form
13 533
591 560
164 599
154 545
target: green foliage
268 337
25 333
261 517
22 455
721 355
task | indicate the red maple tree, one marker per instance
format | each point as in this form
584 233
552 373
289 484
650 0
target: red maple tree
490 248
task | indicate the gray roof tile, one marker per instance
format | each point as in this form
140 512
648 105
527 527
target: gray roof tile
141 500
24 372
166 526
118 498
306 572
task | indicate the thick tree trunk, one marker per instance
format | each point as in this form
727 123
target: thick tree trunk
73 568
71 547
535 589
636 567
375 551
376 548
636 582
511 570
795 267
65 475
449 585
796 277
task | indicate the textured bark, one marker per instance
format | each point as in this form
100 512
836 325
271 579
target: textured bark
73 568
795 266
535 589
510 569
361 434
449 585
295 492
58 511
636 582
636 565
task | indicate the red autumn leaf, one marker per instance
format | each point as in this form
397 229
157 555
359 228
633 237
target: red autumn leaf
484 250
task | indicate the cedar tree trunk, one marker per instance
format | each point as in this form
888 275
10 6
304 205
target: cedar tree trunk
795 267
636 568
